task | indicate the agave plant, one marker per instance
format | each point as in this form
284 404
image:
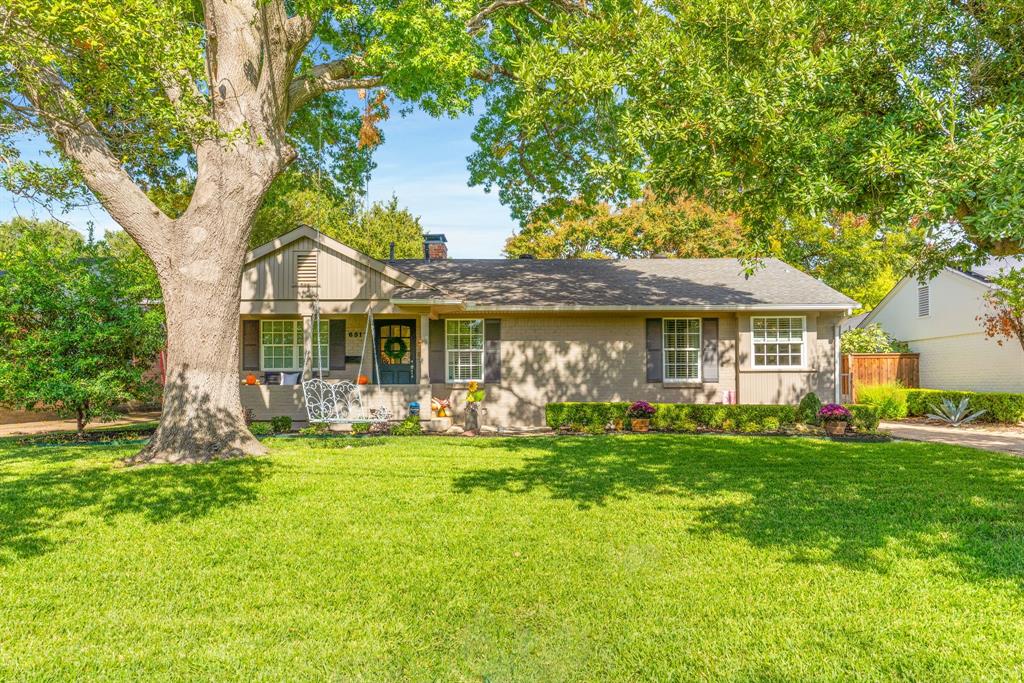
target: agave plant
953 414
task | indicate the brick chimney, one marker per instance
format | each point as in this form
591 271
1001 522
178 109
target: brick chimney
435 247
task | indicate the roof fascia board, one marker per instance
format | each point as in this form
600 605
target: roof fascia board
708 307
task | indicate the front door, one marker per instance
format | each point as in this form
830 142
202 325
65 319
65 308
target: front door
396 351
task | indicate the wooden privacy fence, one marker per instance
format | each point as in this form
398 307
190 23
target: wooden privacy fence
865 369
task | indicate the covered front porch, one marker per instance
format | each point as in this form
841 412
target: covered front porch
386 354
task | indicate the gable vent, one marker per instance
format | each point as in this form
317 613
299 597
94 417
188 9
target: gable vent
923 301
306 269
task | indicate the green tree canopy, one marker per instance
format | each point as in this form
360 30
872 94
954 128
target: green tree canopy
682 228
871 339
905 111
71 338
850 253
298 200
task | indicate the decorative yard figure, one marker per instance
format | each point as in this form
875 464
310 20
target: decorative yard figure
474 397
440 406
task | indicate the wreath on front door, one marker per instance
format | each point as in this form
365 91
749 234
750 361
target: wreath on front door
395 348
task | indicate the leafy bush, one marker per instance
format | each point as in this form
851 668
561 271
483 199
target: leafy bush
998 407
579 415
410 426
360 427
281 424
807 411
863 418
261 428
315 429
871 339
674 417
890 399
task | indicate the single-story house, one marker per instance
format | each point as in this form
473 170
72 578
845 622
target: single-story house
939 319
531 331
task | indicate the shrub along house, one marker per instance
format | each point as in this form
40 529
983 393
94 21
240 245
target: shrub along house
531 331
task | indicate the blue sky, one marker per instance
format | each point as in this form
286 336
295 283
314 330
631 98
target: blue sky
422 161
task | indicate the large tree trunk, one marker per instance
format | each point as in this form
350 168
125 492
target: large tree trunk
202 412
201 281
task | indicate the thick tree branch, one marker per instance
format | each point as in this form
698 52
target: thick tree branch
479 20
476 24
81 141
341 74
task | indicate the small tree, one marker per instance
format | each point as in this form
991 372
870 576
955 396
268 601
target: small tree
871 339
72 339
1005 322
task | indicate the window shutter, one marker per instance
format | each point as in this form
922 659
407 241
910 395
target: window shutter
923 301
655 368
436 351
250 344
709 350
492 351
336 350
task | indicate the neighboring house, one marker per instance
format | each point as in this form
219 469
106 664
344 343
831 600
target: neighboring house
939 319
534 331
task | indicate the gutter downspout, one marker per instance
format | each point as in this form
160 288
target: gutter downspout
838 362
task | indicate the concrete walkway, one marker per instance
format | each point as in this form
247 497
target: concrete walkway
1005 441
48 426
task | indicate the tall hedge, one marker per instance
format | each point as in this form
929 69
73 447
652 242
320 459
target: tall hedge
998 407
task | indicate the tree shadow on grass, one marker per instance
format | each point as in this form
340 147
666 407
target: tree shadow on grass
817 501
45 493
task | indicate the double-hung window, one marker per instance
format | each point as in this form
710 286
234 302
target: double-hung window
779 342
464 350
681 343
281 346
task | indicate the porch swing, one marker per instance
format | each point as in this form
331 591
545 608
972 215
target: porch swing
340 402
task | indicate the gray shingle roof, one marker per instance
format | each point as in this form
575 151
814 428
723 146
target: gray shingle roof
991 268
629 282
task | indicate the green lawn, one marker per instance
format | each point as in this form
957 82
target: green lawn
516 559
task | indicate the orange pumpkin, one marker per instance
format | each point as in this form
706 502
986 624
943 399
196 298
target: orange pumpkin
250 379
363 379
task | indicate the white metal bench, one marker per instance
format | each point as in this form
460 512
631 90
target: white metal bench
339 403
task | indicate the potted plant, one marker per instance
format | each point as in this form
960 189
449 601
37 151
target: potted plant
835 418
639 414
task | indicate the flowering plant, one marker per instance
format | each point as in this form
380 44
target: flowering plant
833 412
474 393
641 410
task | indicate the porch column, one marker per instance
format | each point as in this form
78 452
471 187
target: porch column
424 378
307 347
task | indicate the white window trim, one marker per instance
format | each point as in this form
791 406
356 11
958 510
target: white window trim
447 351
777 368
700 355
299 346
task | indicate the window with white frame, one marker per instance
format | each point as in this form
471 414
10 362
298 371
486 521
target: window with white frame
778 342
464 349
281 345
681 348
